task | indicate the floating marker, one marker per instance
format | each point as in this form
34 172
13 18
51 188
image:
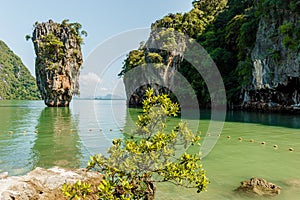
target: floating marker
10 132
240 139
251 140
263 142
228 137
100 129
291 149
275 146
90 129
110 129
36 131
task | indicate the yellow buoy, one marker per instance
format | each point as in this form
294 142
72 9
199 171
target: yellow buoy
263 142
110 129
275 146
240 139
291 149
251 140
10 132
228 136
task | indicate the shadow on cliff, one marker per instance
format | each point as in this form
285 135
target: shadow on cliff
57 141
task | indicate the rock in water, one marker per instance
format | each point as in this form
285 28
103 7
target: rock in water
58 61
259 186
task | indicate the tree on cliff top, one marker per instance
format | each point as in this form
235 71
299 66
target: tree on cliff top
146 156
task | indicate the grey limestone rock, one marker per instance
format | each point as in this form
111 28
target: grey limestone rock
276 66
58 61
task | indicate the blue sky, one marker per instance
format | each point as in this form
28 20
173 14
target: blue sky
101 19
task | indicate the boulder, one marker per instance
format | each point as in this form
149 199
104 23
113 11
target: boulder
43 184
259 186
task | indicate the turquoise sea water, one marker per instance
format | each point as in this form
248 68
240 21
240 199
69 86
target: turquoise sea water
33 135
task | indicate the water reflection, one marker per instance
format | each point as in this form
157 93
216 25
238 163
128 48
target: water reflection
270 119
57 139
99 123
16 135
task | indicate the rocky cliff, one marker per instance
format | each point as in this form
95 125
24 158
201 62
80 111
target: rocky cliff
255 45
161 63
157 69
276 64
58 61
16 82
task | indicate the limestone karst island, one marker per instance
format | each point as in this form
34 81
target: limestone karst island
58 61
201 103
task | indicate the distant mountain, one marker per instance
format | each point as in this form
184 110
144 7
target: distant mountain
16 82
110 97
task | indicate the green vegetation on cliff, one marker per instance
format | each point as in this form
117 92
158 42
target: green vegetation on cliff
58 60
227 30
16 82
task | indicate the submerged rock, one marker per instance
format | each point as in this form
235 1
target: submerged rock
43 184
58 61
259 186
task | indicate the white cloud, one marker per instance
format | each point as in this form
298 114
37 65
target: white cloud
88 83
103 89
89 78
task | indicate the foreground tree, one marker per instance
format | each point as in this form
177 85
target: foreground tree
148 155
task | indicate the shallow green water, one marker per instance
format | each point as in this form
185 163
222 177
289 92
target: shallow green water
32 135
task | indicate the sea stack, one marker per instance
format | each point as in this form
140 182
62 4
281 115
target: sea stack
58 61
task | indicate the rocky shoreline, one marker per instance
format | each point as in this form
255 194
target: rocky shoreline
269 107
42 184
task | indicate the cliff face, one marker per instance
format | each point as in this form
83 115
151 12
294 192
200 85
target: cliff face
276 60
58 61
16 82
255 45
157 70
